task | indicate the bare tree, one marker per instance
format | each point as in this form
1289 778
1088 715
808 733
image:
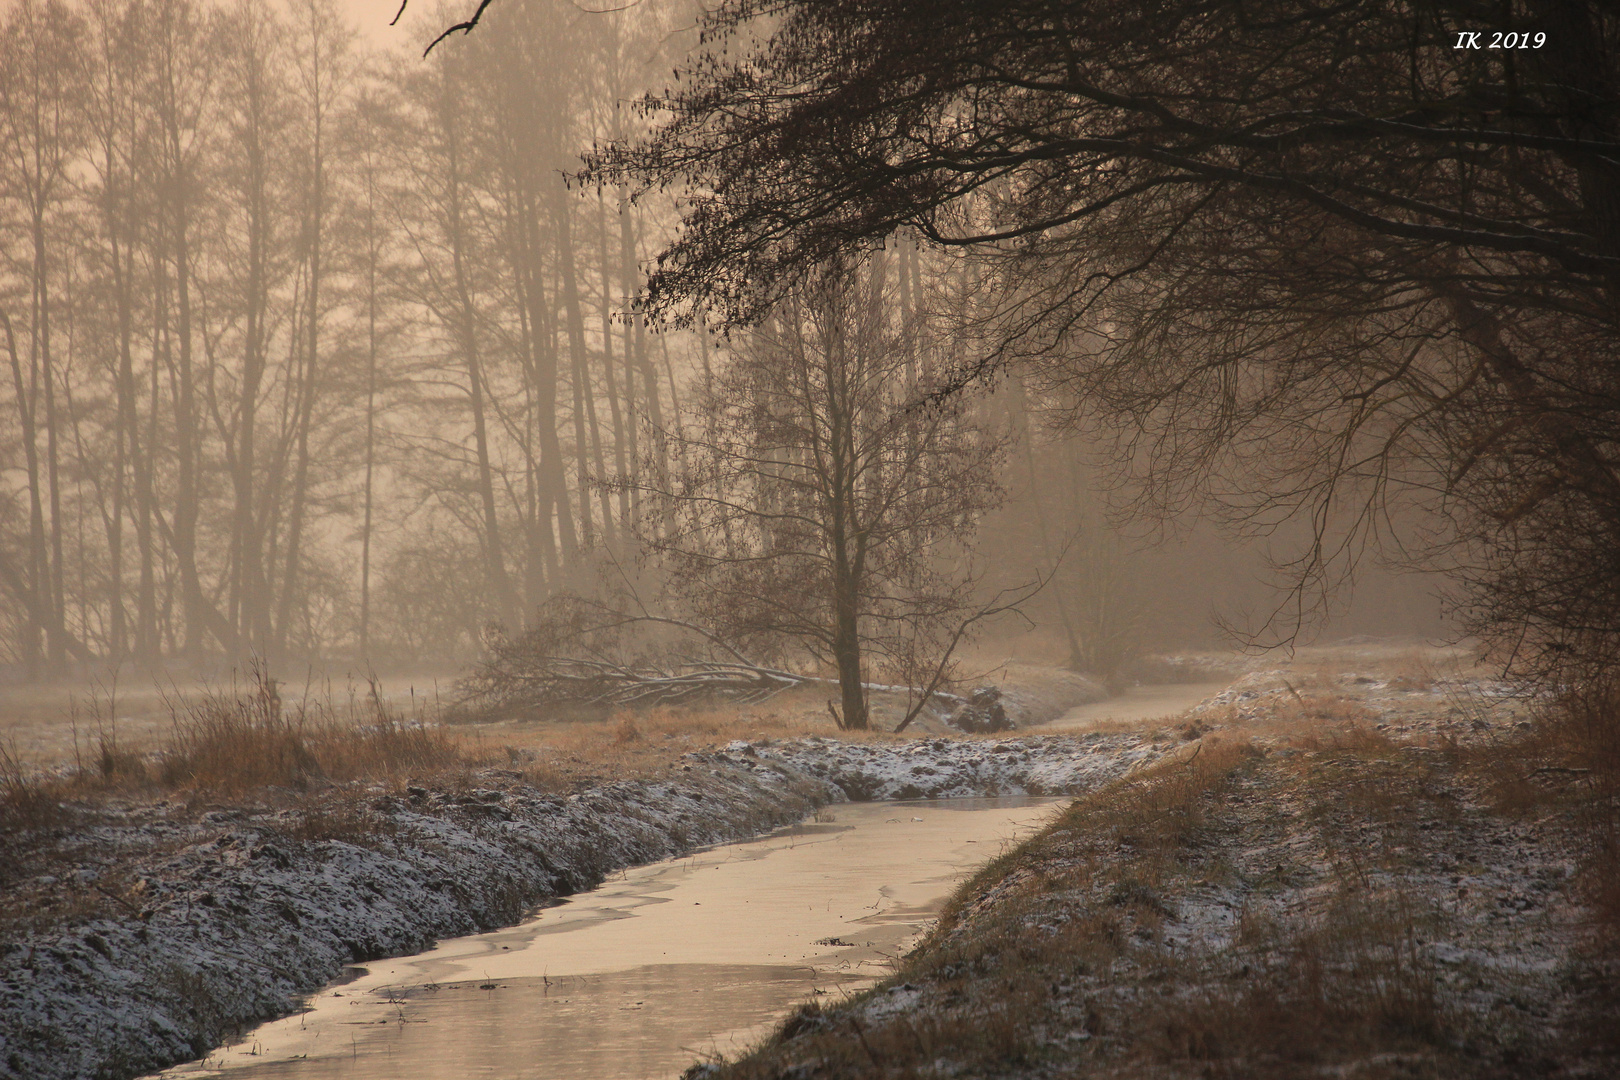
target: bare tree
810 507
255 263
40 136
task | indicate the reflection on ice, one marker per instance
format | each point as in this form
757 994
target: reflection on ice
656 968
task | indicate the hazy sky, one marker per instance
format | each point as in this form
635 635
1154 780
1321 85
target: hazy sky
371 16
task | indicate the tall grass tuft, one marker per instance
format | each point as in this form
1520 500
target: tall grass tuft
1584 727
28 798
241 741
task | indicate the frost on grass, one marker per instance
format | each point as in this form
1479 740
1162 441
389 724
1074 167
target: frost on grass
210 923
947 768
247 910
1327 884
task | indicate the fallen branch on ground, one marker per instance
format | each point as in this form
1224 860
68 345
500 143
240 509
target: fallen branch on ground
563 681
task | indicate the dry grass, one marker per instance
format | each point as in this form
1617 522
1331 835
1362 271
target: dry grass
250 739
1336 987
641 743
1067 956
1157 816
1567 764
28 798
252 736
1401 668
231 744
999 950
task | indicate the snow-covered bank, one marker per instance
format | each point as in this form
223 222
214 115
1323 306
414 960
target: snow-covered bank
245 914
233 915
947 769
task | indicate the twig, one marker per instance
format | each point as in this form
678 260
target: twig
464 27
115 898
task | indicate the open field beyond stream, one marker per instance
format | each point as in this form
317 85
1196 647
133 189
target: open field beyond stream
1362 862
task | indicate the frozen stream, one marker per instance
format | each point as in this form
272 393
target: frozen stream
655 968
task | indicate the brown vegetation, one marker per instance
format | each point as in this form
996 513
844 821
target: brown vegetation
323 757
26 800
232 744
249 742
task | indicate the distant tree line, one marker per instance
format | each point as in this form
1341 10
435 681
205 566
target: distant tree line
309 350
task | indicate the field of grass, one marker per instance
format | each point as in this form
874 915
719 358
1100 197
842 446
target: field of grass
253 744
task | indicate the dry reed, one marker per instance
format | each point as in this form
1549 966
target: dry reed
231 743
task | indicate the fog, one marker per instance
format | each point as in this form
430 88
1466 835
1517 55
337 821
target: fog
314 353
477 477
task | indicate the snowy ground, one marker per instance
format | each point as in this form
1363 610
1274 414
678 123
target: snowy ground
947 768
200 924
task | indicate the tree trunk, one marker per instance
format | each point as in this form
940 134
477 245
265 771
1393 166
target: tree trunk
553 474
467 331
126 446
847 654
146 606
576 347
250 607
843 527
621 433
55 637
372 258
38 616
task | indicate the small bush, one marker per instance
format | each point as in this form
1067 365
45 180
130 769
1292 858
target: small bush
626 732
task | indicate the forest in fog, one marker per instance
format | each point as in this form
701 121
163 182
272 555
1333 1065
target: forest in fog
972 538
318 350
309 348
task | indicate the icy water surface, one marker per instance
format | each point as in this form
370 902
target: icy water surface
660 966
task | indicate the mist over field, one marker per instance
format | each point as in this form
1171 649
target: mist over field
316 354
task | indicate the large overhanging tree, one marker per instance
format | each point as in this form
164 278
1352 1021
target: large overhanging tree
1343 251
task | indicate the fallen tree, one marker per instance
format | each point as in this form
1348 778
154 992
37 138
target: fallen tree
561 680
582 654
